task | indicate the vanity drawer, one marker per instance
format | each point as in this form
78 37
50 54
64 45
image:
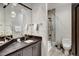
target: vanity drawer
36 49
27 51
19 53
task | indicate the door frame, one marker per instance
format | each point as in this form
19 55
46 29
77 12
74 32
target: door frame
74 28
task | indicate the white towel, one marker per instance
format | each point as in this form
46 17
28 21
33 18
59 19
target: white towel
35 27
26 27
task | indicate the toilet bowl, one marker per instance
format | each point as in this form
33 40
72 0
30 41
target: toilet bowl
66 43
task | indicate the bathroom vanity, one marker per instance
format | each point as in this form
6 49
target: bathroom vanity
28 47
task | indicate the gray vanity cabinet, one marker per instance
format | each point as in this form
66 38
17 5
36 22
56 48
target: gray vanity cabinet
19 53
32 50
37 49
27 51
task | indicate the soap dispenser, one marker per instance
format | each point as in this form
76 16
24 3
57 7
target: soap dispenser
18 40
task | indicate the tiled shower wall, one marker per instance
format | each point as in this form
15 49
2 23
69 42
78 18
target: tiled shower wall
51 26
63 20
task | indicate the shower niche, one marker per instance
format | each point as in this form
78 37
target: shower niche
51 27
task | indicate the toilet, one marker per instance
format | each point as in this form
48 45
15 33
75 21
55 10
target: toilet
66 43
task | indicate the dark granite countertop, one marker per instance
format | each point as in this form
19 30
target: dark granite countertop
17 45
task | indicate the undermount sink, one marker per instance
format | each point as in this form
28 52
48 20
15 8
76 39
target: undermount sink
29 41
1 42
4 40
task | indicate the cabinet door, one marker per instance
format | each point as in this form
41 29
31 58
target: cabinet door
19 53
37 49
27 51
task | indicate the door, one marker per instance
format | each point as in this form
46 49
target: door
75 29
19 53
36 49
27 51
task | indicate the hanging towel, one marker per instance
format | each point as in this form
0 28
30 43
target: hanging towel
26 27
35 27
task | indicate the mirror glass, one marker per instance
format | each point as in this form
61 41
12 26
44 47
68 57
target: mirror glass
15 19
